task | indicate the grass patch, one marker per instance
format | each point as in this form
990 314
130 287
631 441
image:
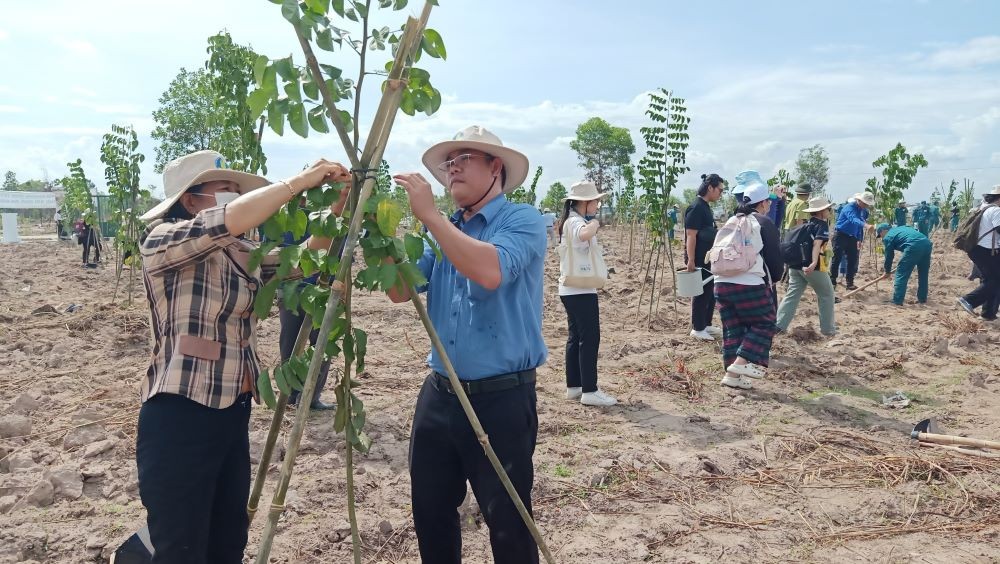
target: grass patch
562 471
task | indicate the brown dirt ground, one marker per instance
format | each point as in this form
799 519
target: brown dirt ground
806 467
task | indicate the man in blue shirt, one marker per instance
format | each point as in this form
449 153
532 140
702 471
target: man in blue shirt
550 226
916 249
484 297
851 226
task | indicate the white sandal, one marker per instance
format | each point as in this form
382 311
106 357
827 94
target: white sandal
738 382
750 370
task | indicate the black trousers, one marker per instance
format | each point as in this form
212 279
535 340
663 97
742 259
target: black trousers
844 245
90 240
194 479
291 322
703 306
583 342
444 453
987 294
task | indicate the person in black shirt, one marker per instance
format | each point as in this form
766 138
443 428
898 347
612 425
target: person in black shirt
812 274
699 236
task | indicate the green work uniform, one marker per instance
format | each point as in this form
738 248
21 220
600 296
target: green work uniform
916 250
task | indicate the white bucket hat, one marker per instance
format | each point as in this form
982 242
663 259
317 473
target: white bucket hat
481 139
994 191
196 168
584 191
819 203
866 197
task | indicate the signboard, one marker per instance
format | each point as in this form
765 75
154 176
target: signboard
17 200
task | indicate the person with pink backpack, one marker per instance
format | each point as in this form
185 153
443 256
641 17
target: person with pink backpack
743 286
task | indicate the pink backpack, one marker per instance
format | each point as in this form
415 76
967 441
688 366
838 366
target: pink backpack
733 251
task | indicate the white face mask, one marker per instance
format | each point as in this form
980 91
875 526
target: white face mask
223 198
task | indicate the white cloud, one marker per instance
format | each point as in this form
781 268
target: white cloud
76 89
77 46
973 53
7 109
106 108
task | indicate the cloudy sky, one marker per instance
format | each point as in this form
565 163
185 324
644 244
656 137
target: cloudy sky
762 79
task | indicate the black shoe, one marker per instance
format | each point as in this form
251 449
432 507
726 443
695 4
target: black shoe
851 286
836 300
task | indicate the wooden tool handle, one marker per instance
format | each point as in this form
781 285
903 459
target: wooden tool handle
965 451
953 440
879 279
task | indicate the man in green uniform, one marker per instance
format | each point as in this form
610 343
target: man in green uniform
935 213
901 213
922 218
916 249
794 213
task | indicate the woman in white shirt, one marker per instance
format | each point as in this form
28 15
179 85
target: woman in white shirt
745 301
578 231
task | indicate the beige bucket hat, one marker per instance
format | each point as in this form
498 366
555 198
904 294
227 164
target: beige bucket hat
196 168
994 191
584 191
819 203
866 197
481 139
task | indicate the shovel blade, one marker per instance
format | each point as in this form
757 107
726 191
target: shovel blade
926 426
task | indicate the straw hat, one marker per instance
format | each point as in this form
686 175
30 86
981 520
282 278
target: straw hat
867 197
584 191
481 139
196 168
819 203
994 191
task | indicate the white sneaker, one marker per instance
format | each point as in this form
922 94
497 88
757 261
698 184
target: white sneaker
713 331
574 393
739 382
597 399
702 335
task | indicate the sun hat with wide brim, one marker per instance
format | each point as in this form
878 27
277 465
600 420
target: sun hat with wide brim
584 191
197 168
481 139
995 191
818 204
803 188
867 197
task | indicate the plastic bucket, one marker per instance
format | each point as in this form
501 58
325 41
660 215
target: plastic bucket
691 284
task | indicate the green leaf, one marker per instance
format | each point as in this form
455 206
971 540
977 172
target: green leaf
324 40
286 69
433 244
293 91
388 215
299 223
265 390
361 348
257 255
340 417
331 71
318 6
414 246
297 119
348 349
276 119
338 7
388 276
406 104
317 120
436 43
258 100
310 89
412 275
265 299
279 379
290 10
364 442
270 81
259 66
307 262
435 101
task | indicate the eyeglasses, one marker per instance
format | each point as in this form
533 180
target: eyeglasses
460 161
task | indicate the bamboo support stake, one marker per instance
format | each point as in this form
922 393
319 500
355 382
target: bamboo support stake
382 125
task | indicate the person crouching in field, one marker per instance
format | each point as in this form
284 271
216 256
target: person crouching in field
742 288
578 232
916 249
192 446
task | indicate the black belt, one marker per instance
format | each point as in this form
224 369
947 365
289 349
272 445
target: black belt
486 385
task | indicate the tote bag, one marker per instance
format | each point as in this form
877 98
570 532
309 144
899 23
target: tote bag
581 267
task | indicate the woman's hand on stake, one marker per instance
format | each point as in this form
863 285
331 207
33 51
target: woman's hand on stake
319 173
418 190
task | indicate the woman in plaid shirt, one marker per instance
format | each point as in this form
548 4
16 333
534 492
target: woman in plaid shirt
192 448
